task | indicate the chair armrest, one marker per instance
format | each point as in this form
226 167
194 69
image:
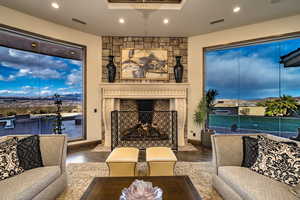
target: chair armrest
54 150
227 149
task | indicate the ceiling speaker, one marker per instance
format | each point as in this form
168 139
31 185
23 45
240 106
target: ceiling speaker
78 21
217 21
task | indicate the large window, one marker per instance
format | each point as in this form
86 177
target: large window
258 87
29 79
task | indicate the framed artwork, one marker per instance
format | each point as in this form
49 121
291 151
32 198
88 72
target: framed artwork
147 64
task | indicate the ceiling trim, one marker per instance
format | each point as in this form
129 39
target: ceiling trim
146 6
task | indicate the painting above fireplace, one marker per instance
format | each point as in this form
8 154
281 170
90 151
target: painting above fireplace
150 64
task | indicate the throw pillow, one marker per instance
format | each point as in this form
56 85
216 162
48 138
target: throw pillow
9 162
29 152
278 160
250 147
250 150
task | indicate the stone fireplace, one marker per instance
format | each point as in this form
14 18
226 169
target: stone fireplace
129 96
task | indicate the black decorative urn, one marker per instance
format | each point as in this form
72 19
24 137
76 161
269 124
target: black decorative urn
178 70
111 69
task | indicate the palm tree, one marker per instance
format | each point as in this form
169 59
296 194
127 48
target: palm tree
204 107
284 106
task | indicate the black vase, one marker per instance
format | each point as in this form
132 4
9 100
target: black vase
178 70
111 68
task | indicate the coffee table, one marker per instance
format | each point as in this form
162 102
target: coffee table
109 188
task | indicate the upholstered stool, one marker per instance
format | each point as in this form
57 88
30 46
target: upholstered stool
122 161
161 161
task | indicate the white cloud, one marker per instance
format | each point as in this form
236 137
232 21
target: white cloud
46 92
43 74
24 72
27 87
11 78
36 65
75 78
46 74
251 76
12 92
76 62
68 93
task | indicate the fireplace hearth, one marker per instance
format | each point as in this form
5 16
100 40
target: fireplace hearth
144 129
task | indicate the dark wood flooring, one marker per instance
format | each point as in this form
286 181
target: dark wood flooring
82 155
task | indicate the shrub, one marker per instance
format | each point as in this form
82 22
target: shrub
11 113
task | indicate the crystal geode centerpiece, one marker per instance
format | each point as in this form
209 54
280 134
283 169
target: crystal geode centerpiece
141 190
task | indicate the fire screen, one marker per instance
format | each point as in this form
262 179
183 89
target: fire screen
142 129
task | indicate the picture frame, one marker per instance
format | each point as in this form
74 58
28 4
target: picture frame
144 64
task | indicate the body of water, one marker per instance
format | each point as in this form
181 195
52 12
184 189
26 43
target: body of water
281 126
43 125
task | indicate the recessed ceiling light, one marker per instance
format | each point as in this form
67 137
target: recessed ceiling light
166 21
121 20
236 9
55 5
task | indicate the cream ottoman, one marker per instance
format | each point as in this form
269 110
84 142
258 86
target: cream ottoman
161 161
122 161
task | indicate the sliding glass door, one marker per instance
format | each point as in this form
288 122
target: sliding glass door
257 91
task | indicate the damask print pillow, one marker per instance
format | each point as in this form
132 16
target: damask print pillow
29 153
278 160
250 151
9 162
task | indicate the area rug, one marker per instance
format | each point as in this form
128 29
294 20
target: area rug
80 176
102 148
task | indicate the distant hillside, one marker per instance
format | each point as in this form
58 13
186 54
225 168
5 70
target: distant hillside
70 97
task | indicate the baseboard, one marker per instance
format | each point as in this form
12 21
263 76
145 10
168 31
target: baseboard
194 142
83 145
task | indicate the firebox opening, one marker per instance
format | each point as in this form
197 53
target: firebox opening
145 107
148 125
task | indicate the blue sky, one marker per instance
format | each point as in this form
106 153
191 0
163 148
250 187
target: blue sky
31 75
253 72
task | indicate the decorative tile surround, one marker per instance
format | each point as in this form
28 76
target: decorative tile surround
176 46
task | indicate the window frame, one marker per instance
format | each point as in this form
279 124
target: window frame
242 43
52 40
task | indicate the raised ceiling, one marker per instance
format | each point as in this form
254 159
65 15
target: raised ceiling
144 1
192 19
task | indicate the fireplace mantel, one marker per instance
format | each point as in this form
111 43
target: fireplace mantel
177 93
144 90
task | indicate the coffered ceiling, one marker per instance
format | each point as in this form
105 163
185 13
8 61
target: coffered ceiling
193 17
144 1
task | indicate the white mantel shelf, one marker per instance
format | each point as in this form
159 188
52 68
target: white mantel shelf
144 90
143 83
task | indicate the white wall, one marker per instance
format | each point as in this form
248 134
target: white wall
197 43
92 42
195 49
